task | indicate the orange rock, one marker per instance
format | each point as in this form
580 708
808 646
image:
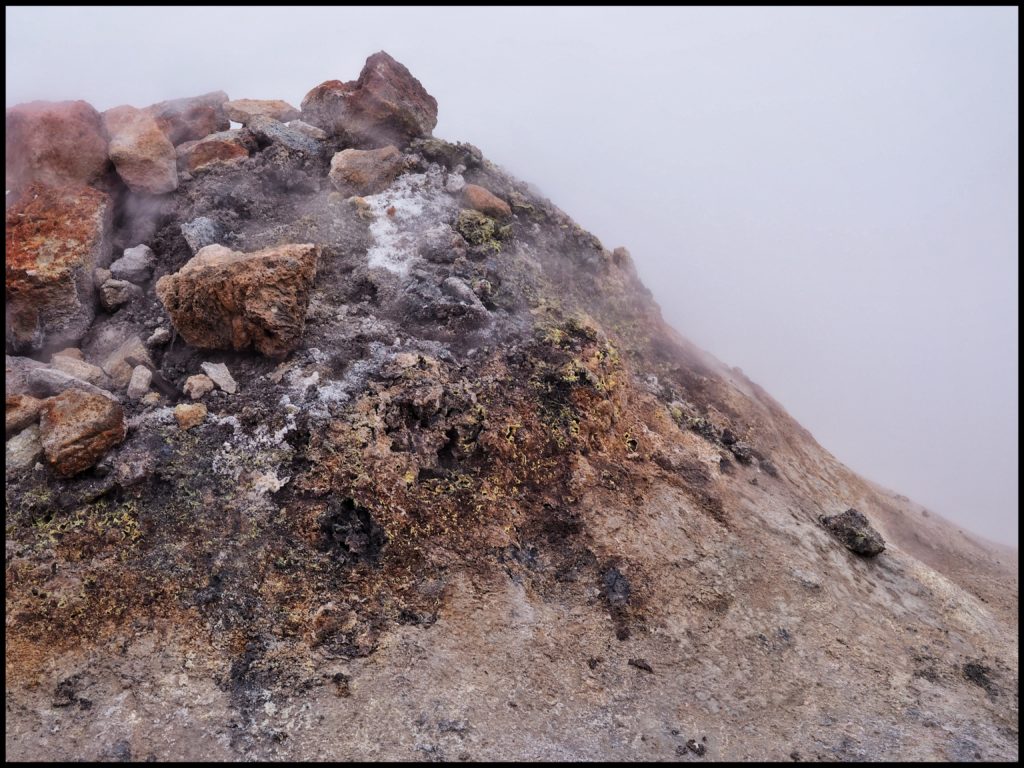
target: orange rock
222 299
365 171
55 143
480 199
189 415
55 238
77 428
191 118
386 105
223 147
143 156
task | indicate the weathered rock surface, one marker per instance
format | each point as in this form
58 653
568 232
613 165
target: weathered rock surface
307 130
142 154
191 118
201 232
189 415
222 299
54 143
219 374
77 428
386 105
24 449
217 148
198 385
81 369
855 531
135 265
120 363
480 199
270 131
21 411
244 110
116 293
365 171
138 384
55 238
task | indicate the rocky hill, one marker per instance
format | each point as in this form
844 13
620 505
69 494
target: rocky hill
328 439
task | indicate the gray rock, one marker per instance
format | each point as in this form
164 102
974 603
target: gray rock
160 337
135 266
47 382
307 130
201 232
221 376
81 370
273 132
116 293
457 289
100 275
455 183
139 383
855 532
24 449
120 363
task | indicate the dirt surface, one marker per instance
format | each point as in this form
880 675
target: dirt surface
491 507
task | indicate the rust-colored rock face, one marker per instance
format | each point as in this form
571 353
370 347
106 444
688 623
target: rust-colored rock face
223 147
386 105
191 118
21 411
365 171
244 110
223 299
55 143
54 239
480 199
143 156
77 428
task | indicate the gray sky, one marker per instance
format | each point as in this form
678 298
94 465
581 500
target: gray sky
826 198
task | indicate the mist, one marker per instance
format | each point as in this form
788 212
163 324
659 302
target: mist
825 198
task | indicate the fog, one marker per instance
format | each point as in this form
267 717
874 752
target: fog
825 198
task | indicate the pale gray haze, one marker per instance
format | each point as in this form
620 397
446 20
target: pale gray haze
825 198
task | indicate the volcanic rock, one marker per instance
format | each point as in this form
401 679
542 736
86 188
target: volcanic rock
224 147
55 238
135 265
244 110
479 199
189 415
21 411
116 293
54 143
855 531
386 105
222 299
143 156
191 118
77 428
24 449
365 171
198 385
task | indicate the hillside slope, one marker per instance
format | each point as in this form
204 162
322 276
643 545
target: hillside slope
470 499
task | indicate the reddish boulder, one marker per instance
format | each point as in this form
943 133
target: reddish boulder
244 110
223 147
77 428
55 238
21 411
143 156
386 105
365 171
480 199
54 143
191 118
222 299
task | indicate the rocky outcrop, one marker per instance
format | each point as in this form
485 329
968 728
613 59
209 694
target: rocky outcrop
269 131
142 154
55 238
480 199
54 143
24 449
191 118
244 110
365 171
77 428
386 105
855 532
222 299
